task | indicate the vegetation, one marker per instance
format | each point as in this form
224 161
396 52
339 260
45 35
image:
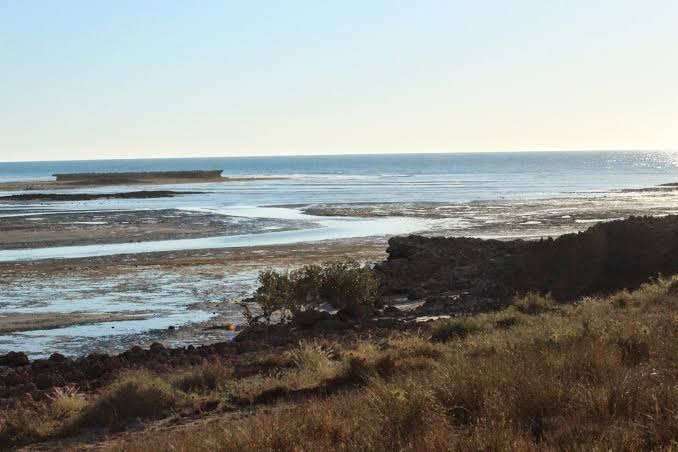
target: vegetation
533 303
209 376
136 395
66 402
594 375
346 285
456 328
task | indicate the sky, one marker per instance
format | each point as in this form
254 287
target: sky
141 78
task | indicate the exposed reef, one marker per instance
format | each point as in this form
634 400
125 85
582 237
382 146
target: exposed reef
143 194
136 177
454 274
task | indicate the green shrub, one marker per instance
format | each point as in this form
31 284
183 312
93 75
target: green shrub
349 285
533 303
273 294
345 285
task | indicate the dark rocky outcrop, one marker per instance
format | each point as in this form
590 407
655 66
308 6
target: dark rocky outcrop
143 194
133 177
482 274
14 359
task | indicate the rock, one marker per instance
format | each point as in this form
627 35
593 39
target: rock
157 347
15 378
391 310
25 388
354 313
331 324
57 358
306 319
252 332
14 359
606 257
46 380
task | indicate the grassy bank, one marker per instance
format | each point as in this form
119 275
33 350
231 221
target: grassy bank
597 374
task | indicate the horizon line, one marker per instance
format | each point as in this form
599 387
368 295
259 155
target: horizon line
335 154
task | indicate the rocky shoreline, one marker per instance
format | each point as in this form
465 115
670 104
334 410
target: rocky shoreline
21 377
444 275
461 274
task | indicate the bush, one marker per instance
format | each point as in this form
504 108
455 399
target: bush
457 328
349 286
136 395
312 356
66 402
345 285
634 349
621 299
533 303
415 346
19 427
207 377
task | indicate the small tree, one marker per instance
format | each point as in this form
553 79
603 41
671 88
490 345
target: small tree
350 286
345 285
273 294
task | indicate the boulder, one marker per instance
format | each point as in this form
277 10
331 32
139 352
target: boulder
14 359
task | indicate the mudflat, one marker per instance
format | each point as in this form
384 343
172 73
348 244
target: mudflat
38 229
13 322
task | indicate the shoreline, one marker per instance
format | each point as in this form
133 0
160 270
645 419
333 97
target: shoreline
182 285
213 279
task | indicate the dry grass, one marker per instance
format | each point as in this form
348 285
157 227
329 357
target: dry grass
533 303
415 345
595 375
66 402
313 356
210 376
135 395
456 328
19 427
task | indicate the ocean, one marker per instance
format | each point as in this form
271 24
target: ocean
402 178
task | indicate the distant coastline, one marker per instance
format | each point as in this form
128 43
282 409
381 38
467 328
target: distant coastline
80 180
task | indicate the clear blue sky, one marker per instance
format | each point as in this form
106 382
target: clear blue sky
98 79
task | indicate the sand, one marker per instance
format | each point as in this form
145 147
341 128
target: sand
13 322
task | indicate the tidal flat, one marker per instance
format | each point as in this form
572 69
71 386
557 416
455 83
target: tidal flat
110 273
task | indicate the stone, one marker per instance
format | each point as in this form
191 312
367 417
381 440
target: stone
14 359
157 347
306 319
57 358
